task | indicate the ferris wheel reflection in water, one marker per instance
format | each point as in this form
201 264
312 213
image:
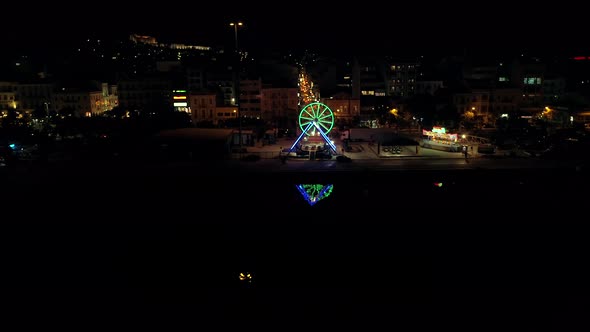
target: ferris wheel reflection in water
313 193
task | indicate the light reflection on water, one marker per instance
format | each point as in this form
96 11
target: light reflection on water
313 193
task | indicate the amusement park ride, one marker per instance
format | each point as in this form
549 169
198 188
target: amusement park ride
315 120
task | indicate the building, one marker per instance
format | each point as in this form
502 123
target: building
369 78
85 102
224 113
367 82
226 91
35 95
335 75
279 106
428 87
8 100
220 78
484 106
505 101
149 40
110 97
77 103
176 46
583 116
345 108
578 75
195 77
8 96
372 75
145 93
530 77
250 98
27 96
553 89
168 66
402 79
203 105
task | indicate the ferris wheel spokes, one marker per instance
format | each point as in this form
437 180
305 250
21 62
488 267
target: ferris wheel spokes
318 113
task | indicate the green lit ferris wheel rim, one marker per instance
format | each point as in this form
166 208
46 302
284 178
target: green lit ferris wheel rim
318 112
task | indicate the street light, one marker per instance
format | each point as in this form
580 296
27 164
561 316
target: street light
236 25
46 114
237 79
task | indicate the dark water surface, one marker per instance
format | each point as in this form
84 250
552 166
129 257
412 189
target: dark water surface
484 250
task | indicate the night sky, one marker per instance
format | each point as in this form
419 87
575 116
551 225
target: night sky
368 28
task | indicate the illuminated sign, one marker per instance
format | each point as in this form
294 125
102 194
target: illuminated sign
181 104
439 134
179 91
439 130
179 97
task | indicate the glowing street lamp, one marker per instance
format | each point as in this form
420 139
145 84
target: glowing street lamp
237 79
236 25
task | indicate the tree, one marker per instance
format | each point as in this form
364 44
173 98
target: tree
66 112
10 118
421 106
116 112
39 113
446 115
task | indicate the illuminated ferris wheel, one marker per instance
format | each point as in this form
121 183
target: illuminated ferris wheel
319 114
315 119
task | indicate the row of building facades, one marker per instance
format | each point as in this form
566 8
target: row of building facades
355 88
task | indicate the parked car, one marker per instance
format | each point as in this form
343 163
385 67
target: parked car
343 159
